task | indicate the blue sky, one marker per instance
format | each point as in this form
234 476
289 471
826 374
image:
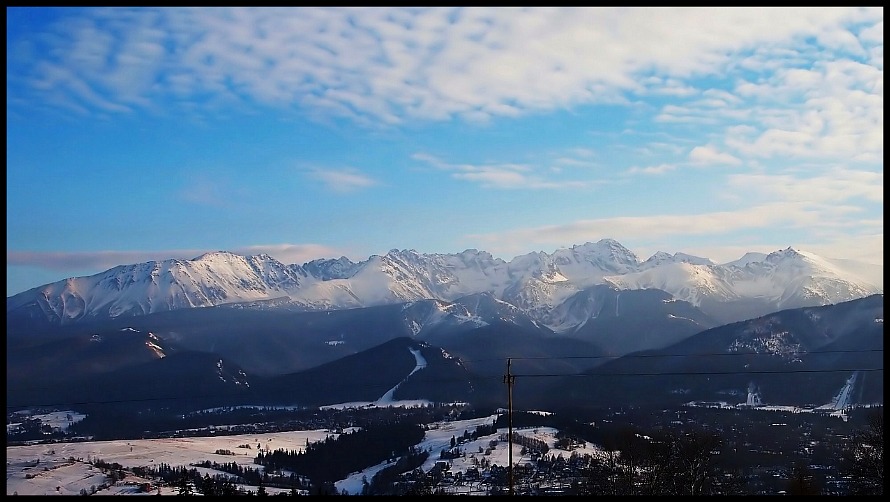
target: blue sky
152 133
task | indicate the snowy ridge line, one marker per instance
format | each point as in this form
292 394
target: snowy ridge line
534 284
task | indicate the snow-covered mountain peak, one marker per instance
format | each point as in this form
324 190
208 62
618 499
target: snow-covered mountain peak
479 258
792 261
661 258
695 260
216 257
793 278
584 265
528 261
329 268
607 250
685 281
263 257
749 257
409 254
784 254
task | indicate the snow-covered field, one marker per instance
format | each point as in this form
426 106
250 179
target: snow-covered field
64 469
48 469
438 437
55 419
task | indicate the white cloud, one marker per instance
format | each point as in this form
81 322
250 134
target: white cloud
873 34
494 177
829 188
827 203
388 64
670 87
708 154
103 260
867 248
832 111
506 176
771 215
344 180
500 176
658 169
98 260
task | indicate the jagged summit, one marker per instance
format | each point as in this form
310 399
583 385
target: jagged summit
660 258
749 257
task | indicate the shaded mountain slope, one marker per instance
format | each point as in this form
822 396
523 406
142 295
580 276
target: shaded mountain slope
624 321
794 357
182 380
415 370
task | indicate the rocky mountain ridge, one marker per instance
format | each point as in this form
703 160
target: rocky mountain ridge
536 283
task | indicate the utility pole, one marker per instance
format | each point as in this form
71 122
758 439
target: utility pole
509 380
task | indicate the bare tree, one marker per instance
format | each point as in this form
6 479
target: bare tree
696 463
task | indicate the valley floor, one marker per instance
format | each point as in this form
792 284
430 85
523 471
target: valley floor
66 468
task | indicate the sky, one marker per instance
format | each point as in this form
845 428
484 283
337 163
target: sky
139 134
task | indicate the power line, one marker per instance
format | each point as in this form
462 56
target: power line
639 355
676 373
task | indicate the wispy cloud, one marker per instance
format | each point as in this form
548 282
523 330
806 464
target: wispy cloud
828 188
103 260
699 156
656 169
829 203
863 247
501 176
657 225
342 180
208 191
395 64
98 260
772 215
708 154
831 110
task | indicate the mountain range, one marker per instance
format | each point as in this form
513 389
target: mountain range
249 328
540 285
